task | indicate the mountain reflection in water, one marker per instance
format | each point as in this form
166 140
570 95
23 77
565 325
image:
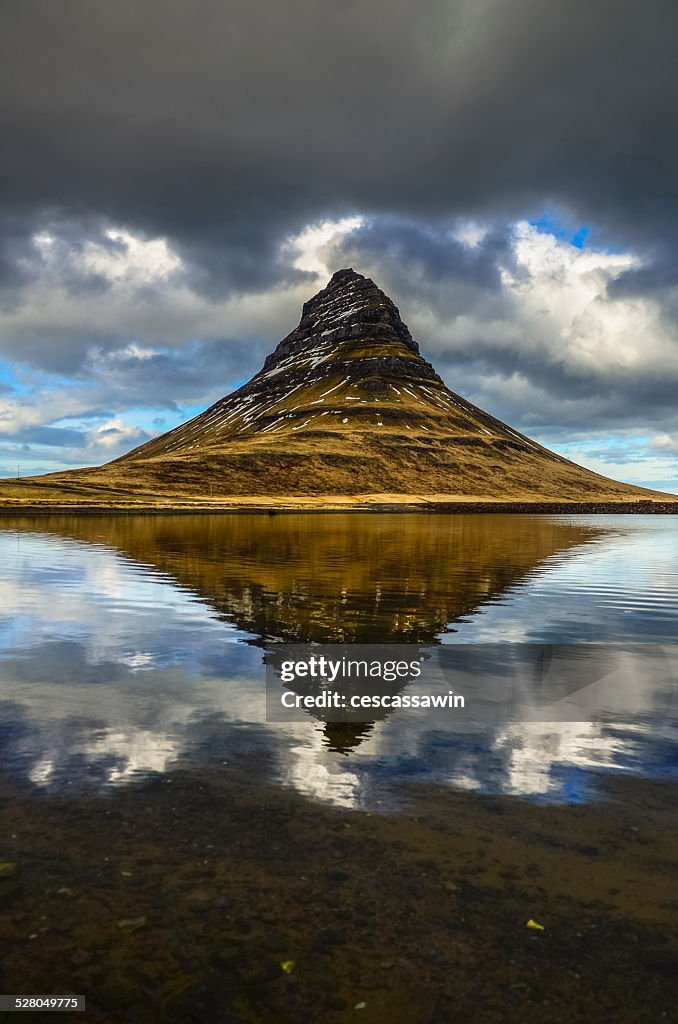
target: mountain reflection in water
334 578
131 644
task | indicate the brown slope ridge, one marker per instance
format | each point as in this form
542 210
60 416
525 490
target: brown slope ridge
344 409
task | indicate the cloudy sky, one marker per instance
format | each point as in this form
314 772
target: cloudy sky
177 177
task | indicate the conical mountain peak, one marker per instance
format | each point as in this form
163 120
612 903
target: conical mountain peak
345 289
346 404
350 306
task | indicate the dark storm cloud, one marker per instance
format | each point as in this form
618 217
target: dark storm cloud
21 259
553 400
656 280
555 411
61 437
142 379
427 255
15 248
226 125
423 265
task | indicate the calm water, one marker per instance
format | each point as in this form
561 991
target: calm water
131 646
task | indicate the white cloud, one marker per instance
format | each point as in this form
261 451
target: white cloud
306 248
114 434
555 307
470 233
637 467
40 407
563 296
123 259
665 442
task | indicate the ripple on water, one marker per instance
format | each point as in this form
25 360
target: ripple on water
131 645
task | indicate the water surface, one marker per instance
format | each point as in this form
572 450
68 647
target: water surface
133 645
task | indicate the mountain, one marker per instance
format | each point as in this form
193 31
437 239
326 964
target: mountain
344 406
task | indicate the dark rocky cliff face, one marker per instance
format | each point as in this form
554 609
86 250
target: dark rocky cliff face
350 307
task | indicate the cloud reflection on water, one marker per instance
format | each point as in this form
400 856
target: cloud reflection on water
113 669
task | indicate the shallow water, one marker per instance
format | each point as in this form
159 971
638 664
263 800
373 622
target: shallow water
131 646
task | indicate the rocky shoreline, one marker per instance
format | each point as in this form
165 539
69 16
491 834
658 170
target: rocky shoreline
205 895
292 506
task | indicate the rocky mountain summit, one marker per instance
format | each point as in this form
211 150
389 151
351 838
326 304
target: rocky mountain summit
344 408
